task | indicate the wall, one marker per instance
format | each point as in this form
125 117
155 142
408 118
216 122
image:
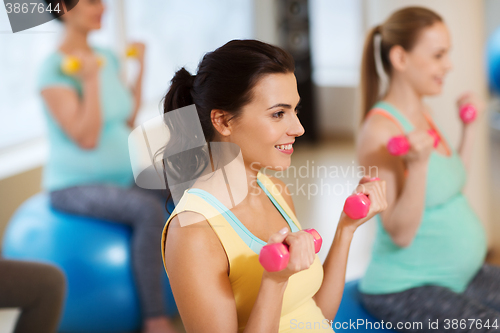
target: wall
335 105
492 13
337 111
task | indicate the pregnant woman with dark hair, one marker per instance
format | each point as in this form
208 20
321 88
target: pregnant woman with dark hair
89 114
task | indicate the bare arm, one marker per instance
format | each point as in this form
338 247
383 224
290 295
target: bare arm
137 86
330 293
198 273
405 196
402 219
467 144
79 118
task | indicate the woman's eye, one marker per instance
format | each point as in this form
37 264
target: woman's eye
278 114
297 109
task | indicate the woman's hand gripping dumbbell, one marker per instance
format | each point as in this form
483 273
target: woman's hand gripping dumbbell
275 257
368 201
399 145
357 205
468 113
73 64
468 106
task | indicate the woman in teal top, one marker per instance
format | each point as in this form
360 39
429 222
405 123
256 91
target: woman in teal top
89 114
105 161
428 257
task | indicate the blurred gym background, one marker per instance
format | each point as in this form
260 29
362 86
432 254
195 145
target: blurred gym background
325 37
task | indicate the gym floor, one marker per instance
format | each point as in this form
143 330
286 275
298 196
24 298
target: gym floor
319 200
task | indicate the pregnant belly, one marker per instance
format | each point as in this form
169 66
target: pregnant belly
452 240
109 158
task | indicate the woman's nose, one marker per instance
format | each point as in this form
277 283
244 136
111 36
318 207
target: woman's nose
296 128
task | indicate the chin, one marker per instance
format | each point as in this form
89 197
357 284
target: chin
436 91
432 90
95 26
279 166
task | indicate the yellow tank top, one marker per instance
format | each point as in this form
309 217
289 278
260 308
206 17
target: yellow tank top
299 311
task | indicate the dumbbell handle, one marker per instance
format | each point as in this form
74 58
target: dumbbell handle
72 65
468 113
131 52
274 257
399 145
357 205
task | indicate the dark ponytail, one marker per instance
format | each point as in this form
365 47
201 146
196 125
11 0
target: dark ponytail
57 4
179 94
224 81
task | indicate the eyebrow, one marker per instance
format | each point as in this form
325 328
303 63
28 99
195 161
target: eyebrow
282 105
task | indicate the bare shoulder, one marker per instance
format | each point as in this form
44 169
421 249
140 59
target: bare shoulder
371 149
198 273
284 191
374 134
190 237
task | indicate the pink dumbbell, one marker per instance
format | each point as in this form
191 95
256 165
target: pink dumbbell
399 145
357 205
468 113
274 257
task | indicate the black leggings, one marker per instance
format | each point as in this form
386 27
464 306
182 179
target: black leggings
144 212
38 289
465 312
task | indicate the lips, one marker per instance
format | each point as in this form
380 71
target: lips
439 80
285 148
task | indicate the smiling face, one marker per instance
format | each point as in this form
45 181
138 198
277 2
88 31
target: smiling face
428 61
267 127
86 15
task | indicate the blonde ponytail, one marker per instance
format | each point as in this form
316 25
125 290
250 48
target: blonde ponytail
401 28
370 81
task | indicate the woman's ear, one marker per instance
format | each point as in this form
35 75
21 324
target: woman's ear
398 58
220 120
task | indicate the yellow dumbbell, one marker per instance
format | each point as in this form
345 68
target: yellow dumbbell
72 65
132 52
